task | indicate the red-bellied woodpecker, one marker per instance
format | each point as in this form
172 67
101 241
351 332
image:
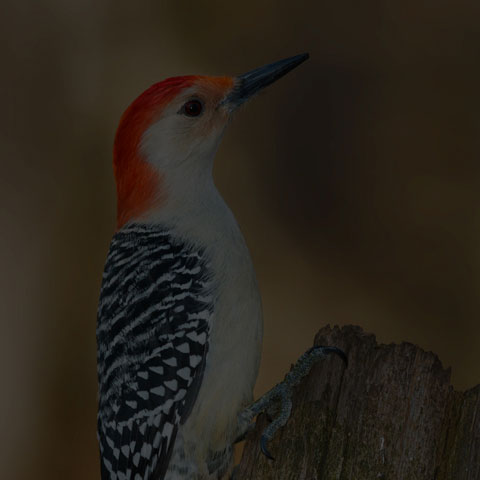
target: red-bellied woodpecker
179 327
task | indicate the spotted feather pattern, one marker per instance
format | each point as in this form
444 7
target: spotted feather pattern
152 341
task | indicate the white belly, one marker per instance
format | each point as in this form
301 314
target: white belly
235 337
234 349
233 357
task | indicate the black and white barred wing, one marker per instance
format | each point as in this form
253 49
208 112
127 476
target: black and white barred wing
152 336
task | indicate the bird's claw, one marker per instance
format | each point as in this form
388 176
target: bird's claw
263 446
335 350
283 392
273 410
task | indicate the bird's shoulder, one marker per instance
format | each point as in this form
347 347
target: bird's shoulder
150 271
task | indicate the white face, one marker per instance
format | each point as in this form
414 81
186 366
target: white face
181 145
188 132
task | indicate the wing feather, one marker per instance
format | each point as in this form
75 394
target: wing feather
152 339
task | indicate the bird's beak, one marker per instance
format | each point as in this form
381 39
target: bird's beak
252 82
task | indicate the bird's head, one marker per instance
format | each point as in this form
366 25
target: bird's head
168 136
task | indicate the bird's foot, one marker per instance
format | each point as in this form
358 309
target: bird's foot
280 396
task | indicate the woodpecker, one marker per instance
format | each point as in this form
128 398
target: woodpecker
179 325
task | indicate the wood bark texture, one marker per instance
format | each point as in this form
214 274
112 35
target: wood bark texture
391 414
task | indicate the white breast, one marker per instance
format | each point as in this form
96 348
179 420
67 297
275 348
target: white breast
236 325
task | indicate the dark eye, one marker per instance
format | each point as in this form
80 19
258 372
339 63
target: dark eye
193 108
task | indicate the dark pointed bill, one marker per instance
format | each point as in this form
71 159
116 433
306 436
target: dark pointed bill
252 82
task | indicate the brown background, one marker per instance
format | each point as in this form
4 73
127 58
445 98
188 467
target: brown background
355 180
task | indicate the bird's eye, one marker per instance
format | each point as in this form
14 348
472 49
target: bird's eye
193 108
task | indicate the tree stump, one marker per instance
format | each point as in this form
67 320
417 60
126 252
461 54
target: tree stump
391 414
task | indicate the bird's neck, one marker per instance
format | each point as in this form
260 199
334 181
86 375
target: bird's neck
194 208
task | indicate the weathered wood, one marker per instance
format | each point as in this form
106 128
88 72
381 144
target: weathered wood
392 414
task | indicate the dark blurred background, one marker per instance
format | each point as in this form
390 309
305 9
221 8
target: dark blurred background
355 180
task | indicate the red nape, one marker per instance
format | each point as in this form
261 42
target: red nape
137 181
